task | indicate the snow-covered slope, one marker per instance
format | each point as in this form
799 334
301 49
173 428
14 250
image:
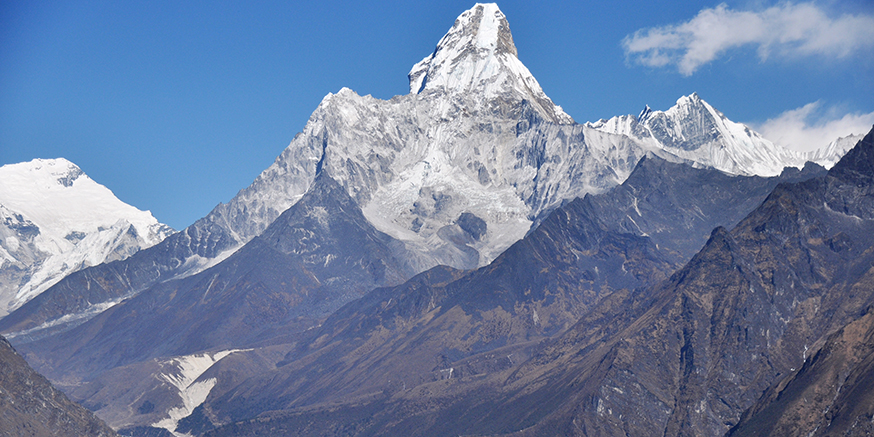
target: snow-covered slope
477 58
55 220
829 155
695 131
477 136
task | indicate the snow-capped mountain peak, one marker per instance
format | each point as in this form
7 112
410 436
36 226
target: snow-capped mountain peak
694 130
54 220
478 58
830 154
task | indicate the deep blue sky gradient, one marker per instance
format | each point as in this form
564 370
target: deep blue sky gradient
175 106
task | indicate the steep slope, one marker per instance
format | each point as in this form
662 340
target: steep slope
318 255
831 394
685 357
30 406
585 258
829 155
478 57
743 312
55 220
694 130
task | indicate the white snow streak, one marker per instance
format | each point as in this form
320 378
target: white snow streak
193 392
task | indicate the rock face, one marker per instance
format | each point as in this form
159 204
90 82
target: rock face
587 258
742 313
55 220
30 406
476 137
831 394
686 356
318 255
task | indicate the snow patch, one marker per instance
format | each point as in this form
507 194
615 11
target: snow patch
187 369
67 319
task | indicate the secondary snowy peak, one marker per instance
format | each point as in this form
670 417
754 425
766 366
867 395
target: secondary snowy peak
478 58
829 155
695 131
55 220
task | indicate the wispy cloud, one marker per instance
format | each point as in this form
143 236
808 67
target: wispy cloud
787 30
812 126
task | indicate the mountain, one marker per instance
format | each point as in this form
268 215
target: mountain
318 255
587 258
448 178
55 221
683 357
477 57
743 313
306 264
694 130
458 170
30 406
829 155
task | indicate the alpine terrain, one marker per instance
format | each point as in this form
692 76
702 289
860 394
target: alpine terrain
55 221
457 170
467 259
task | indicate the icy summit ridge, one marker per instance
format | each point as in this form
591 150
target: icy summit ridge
830 154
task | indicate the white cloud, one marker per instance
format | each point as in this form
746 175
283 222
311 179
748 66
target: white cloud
810 127
789 30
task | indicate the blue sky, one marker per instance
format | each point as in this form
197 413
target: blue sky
175 106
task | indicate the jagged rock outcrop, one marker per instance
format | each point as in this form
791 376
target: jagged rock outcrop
832 393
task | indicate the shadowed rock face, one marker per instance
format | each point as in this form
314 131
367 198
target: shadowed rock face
30 406
740 315
831 394
591 258
686 356
318 255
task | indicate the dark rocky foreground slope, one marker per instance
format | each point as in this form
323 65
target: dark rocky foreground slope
30 406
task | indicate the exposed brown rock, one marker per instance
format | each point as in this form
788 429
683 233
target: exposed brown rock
31 406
